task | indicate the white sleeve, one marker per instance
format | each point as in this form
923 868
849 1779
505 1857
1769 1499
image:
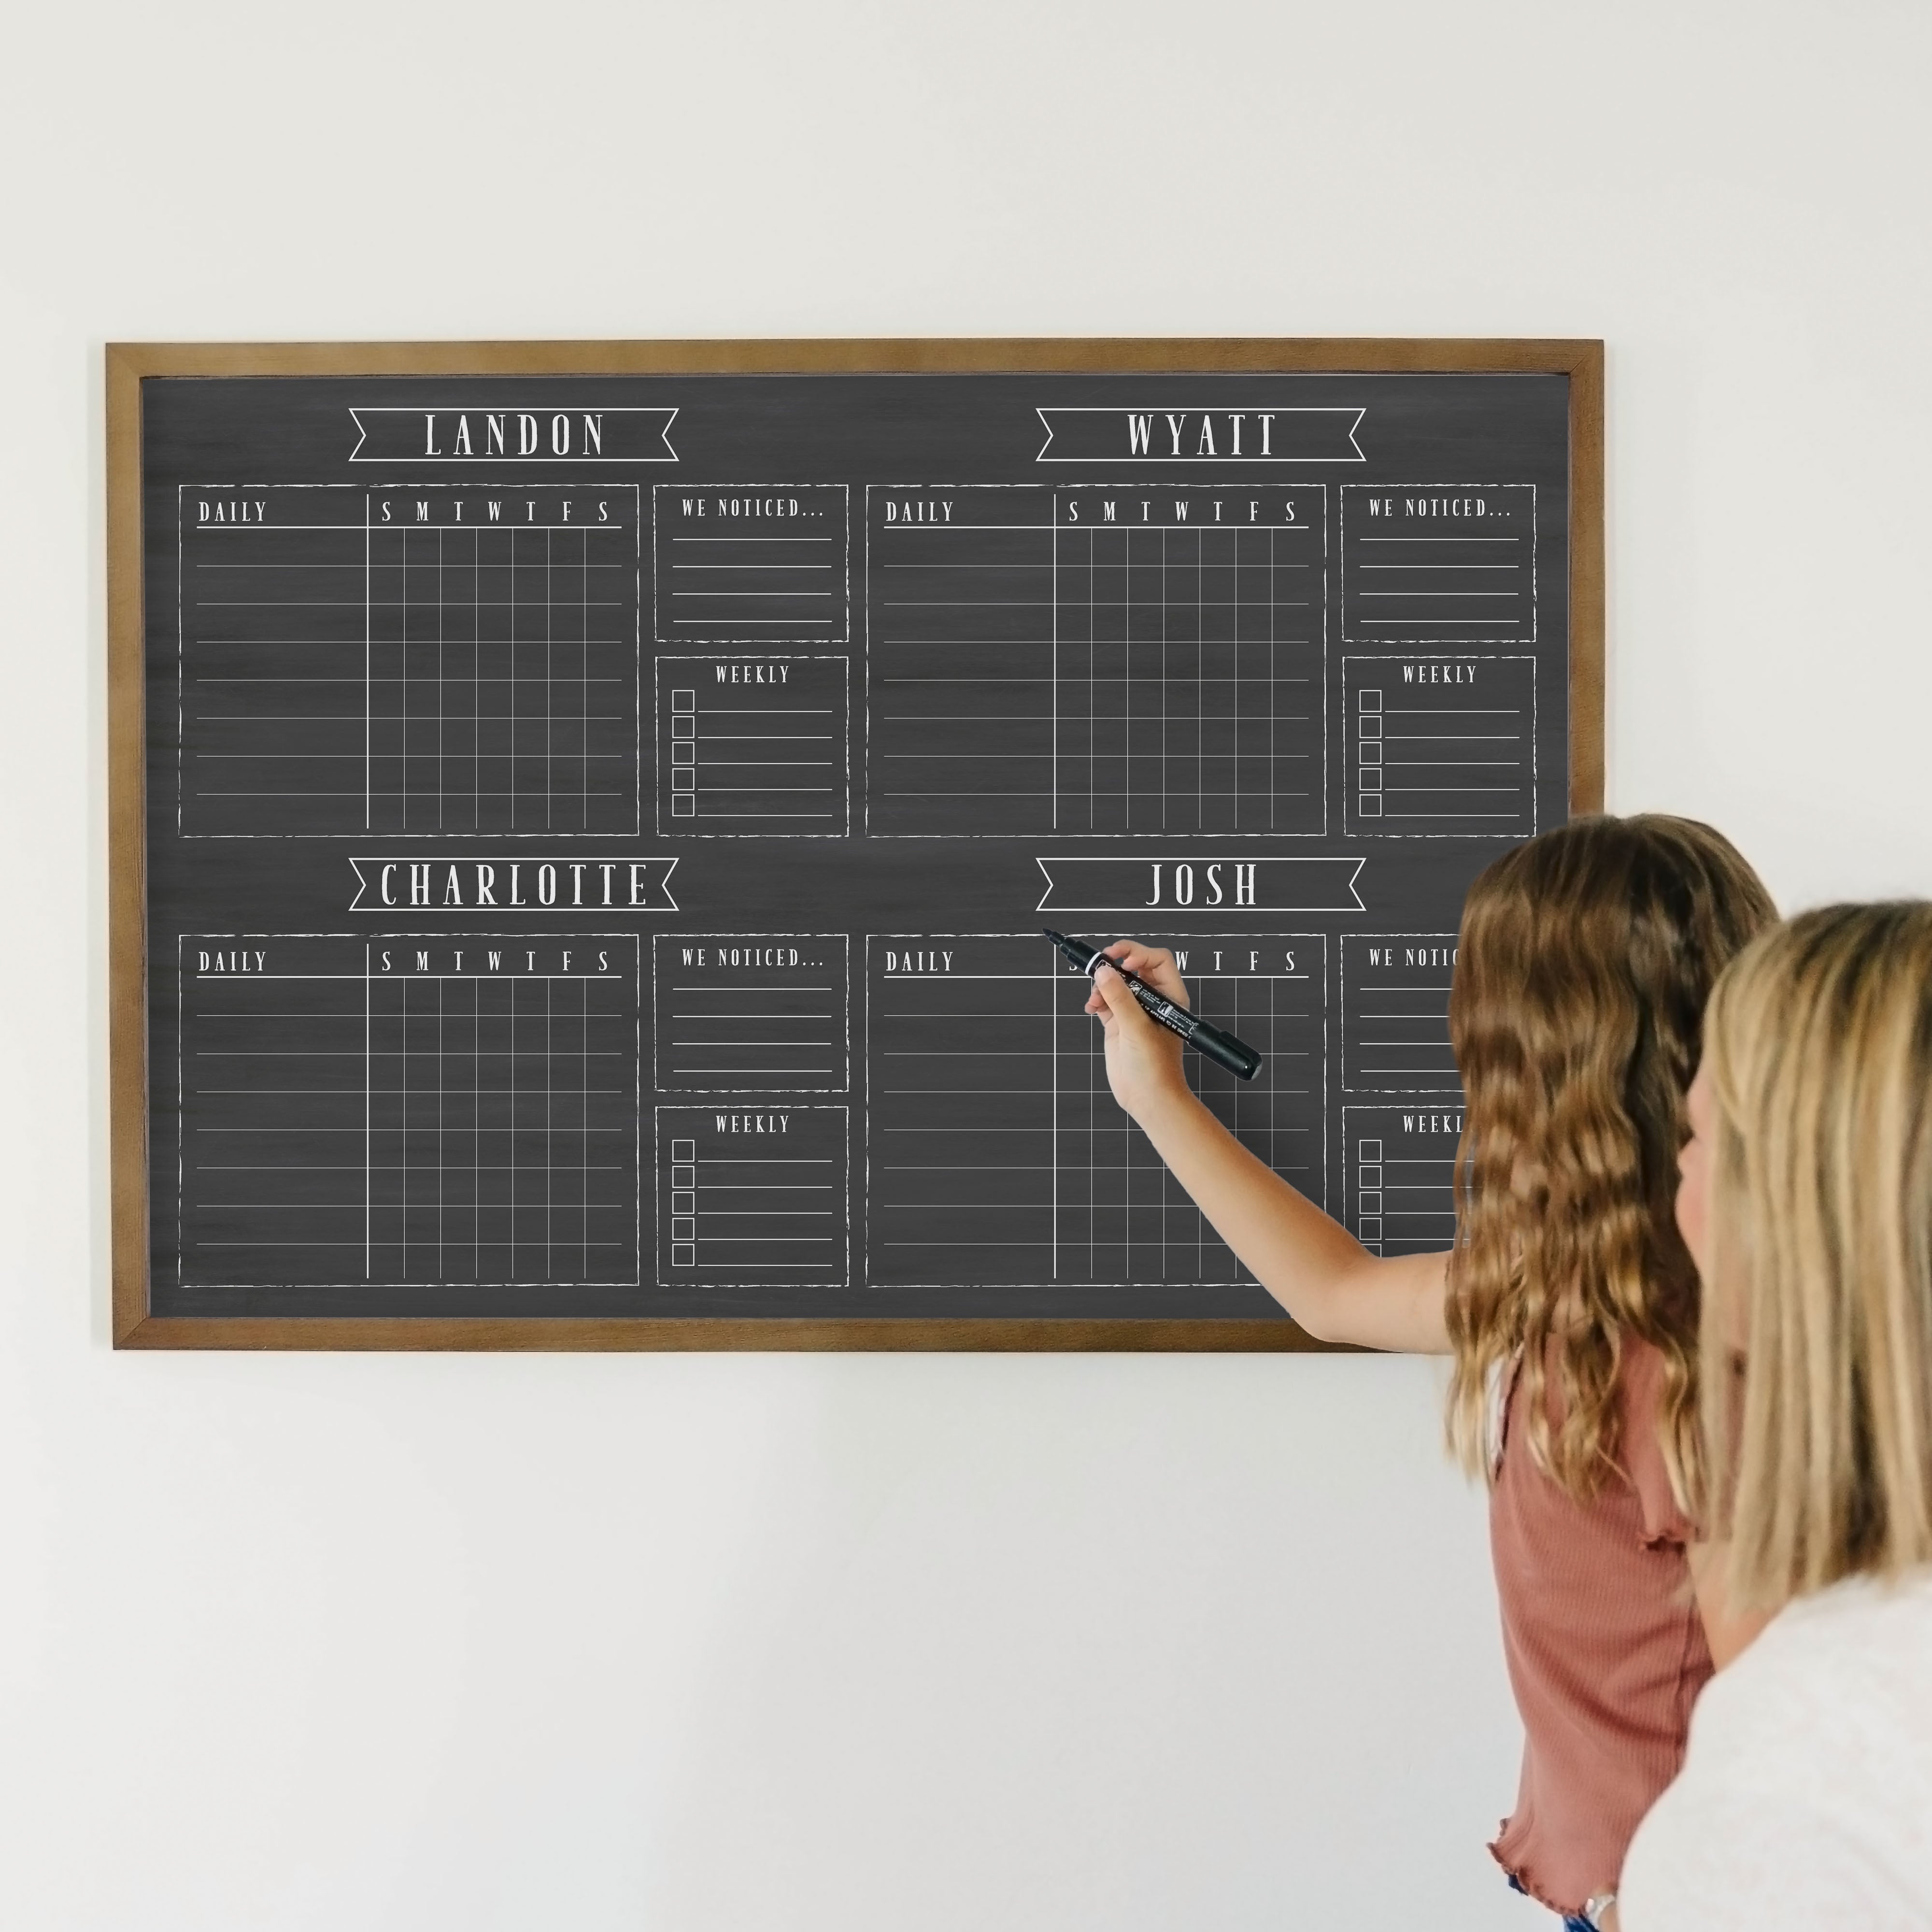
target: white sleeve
1742 1859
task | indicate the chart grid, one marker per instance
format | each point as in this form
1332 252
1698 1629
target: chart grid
468 1109
1188 660
959 660
1110 661
434 661
997 1152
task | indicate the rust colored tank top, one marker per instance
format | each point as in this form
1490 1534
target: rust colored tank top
1605 1646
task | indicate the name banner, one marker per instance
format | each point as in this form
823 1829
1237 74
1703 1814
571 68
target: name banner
1198 884
514 885
1094 435
522 436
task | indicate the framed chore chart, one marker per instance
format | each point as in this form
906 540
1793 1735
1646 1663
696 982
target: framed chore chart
583 816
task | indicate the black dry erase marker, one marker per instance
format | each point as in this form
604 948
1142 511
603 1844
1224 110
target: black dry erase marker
1223 1048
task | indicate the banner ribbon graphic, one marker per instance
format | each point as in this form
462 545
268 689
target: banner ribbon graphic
1190 883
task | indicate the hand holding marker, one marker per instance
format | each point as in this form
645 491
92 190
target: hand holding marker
1223 1048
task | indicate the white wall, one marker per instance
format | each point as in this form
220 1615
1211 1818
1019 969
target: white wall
856 1644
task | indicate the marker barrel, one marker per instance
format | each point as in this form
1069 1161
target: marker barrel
1223 1048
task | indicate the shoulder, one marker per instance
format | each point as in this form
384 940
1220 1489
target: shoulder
1640 1373
1640 1446
1806 1794
1851 1658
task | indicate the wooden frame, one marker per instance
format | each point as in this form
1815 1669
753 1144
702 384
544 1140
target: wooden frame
128 364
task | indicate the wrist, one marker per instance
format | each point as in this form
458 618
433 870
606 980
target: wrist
1164 1094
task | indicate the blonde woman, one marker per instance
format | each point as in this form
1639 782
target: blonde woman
1806 1799
1585 959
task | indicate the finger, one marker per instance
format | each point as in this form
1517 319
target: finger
1122 1007
1134 955
1097 1001
1152 963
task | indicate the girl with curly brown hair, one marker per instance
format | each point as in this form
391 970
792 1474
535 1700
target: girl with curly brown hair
1568 1302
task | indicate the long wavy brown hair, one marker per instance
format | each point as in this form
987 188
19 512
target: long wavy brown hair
1586 959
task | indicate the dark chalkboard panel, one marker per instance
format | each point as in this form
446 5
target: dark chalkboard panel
582 815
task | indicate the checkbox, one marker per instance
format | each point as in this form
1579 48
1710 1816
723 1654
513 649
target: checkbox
1366 1151
1371 1200
684 728
684 780
1371 1229
1368 701
683 1230
1371 753
1369 778
684 1177
1368 727
683 1254
684 806
684 1203
684 700
684 754
1371 1175
1369 804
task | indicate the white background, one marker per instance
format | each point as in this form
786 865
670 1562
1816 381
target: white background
885 1644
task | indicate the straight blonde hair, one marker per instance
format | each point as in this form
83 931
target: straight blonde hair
1577 1009
1817 1330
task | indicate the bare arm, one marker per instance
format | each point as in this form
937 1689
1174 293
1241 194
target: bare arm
1729 1632
1312 1265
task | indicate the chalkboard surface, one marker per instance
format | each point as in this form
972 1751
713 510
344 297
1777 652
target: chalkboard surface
584 817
